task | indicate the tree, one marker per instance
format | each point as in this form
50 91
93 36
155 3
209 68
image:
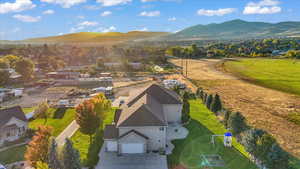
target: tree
4 77
87 119
216 104
226 118
249 140
4 64
209 101
37 149
70 156
12 60
25 67
237 123
101 105
42 111
277 158
53 161
41 165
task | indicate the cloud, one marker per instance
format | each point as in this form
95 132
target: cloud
110 29
262 7
172 19
161 0
65 3
106 13
48 12
15 30
27 18
218 12
150 14
88 23
144 29
17 6
83 25
113 2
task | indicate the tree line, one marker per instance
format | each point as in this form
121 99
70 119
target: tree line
262 146
289 48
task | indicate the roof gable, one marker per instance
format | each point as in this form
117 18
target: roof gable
9 113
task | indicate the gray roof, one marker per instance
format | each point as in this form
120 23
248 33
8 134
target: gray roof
136 132
145 108
110 132
7 114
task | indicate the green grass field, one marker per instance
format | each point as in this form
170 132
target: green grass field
88 152
187 152
279 74
58 120
12 155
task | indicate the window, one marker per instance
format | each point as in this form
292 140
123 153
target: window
161 128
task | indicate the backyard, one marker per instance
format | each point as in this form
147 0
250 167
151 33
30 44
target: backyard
89 152
58 119
204 123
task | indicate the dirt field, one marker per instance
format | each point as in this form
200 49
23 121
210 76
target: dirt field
264 108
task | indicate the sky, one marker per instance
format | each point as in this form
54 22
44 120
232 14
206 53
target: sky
22 19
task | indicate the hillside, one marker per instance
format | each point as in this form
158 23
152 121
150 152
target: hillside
239 29
94 37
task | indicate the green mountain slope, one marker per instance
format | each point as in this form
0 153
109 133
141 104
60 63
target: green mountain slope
93 37
239 29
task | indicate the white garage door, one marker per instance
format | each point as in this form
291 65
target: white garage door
112 146
132 148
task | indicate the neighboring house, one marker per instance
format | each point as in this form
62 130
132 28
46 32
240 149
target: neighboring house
13 124
140 125
63 75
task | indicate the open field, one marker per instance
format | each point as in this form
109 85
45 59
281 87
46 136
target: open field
89 152
279 74
263 108
204 123
59 119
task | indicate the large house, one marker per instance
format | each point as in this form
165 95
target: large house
13 124
140 125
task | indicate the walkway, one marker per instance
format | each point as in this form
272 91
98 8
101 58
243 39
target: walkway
67 133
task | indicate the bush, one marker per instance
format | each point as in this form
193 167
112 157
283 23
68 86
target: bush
237 123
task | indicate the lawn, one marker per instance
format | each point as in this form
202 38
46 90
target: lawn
27 110
59 120
89 152
187 152
12 155
279 74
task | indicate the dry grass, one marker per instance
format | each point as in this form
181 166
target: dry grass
264 108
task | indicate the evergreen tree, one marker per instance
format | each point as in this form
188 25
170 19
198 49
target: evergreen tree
216 104
70 156
204 98
237 123
226 118
53 161
209 101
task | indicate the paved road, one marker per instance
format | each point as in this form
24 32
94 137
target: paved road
67 133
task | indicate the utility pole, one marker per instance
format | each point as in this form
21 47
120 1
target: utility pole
186 66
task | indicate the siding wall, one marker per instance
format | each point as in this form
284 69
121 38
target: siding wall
173 112
157 138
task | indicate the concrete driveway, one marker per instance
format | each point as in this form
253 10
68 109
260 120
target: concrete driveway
110 160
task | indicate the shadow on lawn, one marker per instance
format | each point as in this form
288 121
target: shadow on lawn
59 113
94 149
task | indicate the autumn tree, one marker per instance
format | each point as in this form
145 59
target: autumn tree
53 160
25 67
42 111
70 156
101 105
87 118
37 148
41 165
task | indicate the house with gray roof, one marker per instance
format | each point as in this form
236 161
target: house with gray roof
13 124
140 125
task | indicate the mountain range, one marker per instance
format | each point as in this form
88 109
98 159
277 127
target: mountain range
239 29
